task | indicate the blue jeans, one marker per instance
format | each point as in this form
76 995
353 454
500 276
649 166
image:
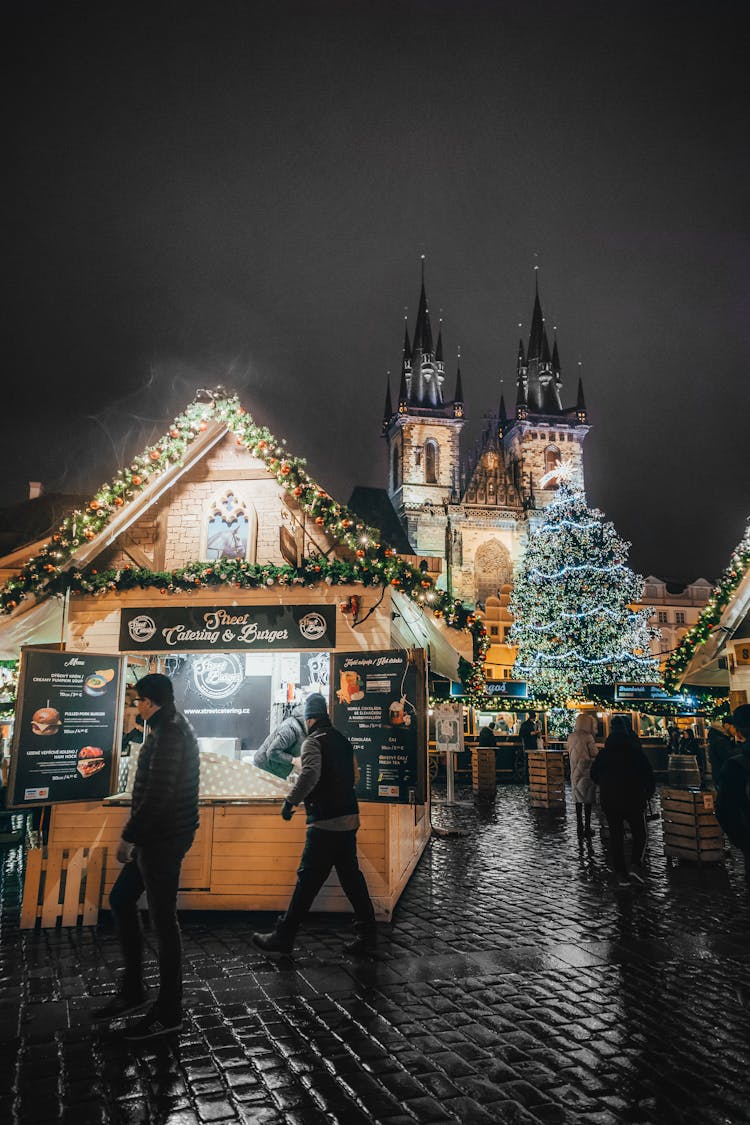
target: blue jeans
154 868
323 851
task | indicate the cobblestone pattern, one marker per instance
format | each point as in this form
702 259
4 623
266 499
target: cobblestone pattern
515 985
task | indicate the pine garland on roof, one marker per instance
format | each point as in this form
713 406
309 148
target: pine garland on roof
710 617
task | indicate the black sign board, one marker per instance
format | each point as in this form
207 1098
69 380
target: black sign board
379 704
200 628
644 693
213 692
68 720
510 689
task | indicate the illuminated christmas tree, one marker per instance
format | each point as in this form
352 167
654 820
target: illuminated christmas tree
571 602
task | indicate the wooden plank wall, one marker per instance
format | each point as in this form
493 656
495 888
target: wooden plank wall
245 857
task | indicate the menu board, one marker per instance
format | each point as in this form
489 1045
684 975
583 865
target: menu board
68 719
379 704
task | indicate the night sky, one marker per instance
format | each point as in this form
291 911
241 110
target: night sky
241 192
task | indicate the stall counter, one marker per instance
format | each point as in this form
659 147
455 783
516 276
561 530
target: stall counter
244 857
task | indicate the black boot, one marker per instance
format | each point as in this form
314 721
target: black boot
579 817
365 943
587 813
279 940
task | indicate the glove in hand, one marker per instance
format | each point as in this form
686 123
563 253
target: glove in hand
287 811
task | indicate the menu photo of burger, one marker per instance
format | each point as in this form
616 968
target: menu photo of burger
45 722
90 761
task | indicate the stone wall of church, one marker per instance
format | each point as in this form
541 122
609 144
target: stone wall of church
528 444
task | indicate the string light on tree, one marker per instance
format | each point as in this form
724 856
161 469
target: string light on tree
572 600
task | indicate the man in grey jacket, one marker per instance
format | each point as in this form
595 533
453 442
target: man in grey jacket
326 785
282 747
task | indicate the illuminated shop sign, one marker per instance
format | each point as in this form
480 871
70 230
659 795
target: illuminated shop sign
243 628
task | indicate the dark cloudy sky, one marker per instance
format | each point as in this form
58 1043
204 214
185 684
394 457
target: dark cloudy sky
240 192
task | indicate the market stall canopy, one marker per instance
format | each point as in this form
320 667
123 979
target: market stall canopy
40 624
708 664
415 627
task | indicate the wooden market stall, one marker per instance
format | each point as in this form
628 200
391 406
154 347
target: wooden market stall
282 600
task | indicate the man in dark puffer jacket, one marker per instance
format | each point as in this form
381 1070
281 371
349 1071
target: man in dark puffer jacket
626 782
326 785
161 828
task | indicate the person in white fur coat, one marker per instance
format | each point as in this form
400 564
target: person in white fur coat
582 750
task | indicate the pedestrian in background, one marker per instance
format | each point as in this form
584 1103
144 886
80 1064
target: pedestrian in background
626 782
529 732
582 751
326 783
162 824
721 747
487 736
279 752
733 797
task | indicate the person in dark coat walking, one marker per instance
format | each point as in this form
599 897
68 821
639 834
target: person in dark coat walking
162 825
733 797
326 785
721 747
626 782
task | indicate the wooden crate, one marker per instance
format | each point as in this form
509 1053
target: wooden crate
691 830
546 778
483 772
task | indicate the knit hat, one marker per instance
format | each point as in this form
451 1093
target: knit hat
157 688
315 706
741 719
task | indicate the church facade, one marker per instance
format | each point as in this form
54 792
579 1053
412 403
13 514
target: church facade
475 511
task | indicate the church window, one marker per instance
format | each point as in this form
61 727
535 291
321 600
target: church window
431 462
492 569
662 617
679 617
396 468
230 528
552 459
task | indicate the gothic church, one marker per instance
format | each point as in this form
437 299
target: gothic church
475 512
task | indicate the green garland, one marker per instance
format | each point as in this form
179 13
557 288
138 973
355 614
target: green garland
50 572
699 633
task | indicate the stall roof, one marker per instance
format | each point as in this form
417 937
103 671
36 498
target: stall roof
416 627
707 665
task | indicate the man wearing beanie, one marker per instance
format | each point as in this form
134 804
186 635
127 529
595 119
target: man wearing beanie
733 797
326 785
162 824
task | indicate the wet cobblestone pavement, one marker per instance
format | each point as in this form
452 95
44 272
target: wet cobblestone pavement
516 984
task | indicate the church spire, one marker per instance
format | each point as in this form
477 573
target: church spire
423 329
388 408
581 412
503 416
458 398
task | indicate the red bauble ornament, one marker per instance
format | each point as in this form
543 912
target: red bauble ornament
155 454
319 520
298 490
286 470
203 425
118 501
135 479
360 553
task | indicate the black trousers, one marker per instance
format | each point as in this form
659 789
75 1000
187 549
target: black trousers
616 816
156 869
323 851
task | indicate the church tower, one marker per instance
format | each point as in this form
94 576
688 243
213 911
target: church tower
544 444
422 436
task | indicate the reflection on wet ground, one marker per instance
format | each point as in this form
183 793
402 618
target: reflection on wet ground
516 984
